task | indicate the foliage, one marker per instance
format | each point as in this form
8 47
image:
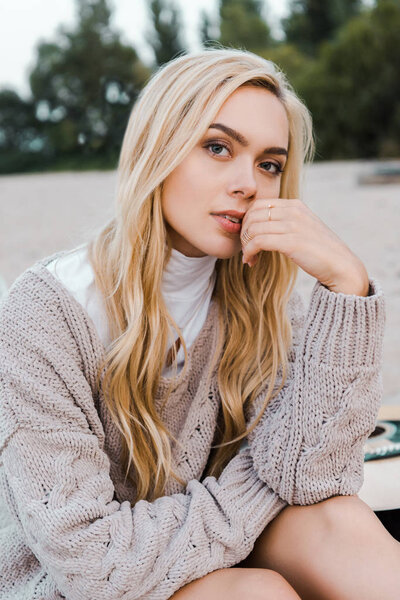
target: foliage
208 29
83 85
22 143
165 38
341 58
241 25
291 61
17 121
312 22
353 89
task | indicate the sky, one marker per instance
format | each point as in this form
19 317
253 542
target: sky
24 22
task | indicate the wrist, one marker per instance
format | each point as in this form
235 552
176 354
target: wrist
351 289
356 284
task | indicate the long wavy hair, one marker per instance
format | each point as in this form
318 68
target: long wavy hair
128 256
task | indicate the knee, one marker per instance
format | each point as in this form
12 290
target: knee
264 584
314 521
344 513
236 583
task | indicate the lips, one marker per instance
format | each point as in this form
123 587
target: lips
227 224
230 218
234 216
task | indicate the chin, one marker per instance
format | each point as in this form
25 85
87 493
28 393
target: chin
225 249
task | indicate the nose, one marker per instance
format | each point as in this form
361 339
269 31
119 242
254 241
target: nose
243 183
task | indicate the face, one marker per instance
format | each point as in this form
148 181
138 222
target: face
238 160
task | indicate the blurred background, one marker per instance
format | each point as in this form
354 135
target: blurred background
72 69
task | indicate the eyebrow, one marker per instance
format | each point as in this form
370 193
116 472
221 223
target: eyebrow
243 141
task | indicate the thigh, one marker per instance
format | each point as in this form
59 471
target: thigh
292 529
237 583
334 549
300 532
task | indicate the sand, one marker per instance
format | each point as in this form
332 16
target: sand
41 214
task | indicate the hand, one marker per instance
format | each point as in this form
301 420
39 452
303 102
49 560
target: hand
297 232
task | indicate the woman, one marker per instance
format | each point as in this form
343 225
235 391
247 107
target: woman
164 397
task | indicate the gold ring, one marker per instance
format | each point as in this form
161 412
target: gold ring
269 211
246 238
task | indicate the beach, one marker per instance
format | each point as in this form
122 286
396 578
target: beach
43 213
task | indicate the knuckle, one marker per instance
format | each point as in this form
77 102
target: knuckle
298 211
250 228
292 227
253 237
256 245
290 246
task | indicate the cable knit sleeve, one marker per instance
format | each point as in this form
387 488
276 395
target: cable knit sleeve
51 444
308 445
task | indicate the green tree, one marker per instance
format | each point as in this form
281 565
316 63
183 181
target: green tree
208 29
84 83
312 22
22 143
241 25
165 37
353 89
294 64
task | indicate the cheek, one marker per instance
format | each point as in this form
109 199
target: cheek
270 189
173 194
184 192
182 181
177 203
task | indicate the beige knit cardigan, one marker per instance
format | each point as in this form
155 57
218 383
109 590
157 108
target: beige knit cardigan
70 527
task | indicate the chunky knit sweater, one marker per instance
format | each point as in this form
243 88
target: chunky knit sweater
186 287
70 527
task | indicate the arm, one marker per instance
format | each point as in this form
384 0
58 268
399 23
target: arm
58 476
308 445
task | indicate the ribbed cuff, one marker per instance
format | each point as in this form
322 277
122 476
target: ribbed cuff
345 330
252 498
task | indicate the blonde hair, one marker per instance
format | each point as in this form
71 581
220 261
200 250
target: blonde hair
129 254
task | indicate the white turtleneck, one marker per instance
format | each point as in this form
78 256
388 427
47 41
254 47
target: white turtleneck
187 287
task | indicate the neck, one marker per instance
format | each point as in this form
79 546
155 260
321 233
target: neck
187 275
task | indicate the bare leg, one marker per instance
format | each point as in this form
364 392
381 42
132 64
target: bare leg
237 583
336 549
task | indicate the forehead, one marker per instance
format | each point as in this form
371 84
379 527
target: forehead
256 113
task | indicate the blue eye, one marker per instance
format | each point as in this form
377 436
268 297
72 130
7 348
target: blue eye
272 168
215 145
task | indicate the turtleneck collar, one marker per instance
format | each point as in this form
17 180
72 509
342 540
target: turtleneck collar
186 277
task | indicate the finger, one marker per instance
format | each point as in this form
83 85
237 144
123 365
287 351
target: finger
281 242
266 214
269 211
281 202
264 228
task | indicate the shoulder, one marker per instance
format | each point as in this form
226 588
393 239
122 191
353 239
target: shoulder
40 309
36 288
49 353
74 271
